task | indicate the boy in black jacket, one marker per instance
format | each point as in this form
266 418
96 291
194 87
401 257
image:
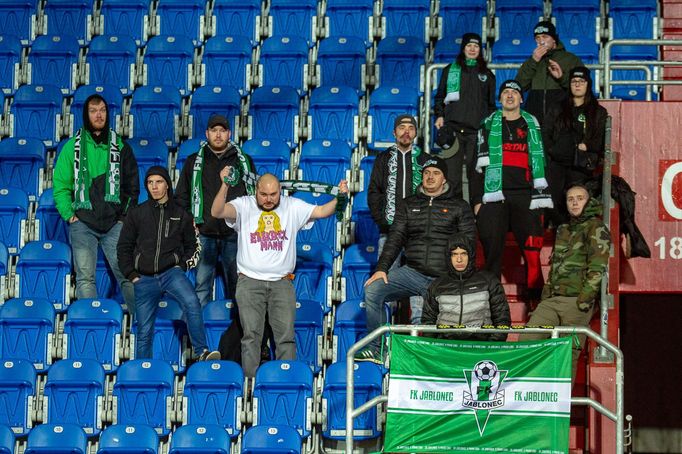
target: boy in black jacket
158 243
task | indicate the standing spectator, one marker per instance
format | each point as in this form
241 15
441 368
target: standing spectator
545 74
158 244
465 96
197 187
508 191
573 136
95 184
267 225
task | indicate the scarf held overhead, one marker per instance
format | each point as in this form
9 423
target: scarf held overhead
318 188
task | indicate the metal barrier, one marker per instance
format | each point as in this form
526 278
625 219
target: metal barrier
617 415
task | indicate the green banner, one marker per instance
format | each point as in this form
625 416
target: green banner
448 396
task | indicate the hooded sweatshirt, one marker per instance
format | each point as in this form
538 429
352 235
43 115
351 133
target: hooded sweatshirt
157 236
471 298
103 215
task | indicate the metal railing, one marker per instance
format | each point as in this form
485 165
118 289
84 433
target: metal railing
617 415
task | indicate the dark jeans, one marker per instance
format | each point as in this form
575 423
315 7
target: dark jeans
213 249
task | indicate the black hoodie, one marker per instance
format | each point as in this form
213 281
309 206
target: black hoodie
157 236
470 297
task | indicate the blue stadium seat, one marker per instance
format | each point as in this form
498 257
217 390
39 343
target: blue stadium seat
11 56
511 50
148 152
50 225
314 273
54 59
181 18
241 18
365 229
269 156
334 113
27 329
186 148
4 269
284 61
516 18
126 18
325 161
13 218
19 393
168 60
407 17
19 18
213 394
110 93
111 59
227 61
93 331
271 440
104 277
69 17
217 318
584 47
274 114
74 394
170 335
209 100
22 163
36 111
309 333
283 394
577 19
143 394
400 62
359 262
350 325
458 17
366 165
57 439
155 112
445 51
7 440
293 17
341 61
44 271
198 439
367 384
325 231
385 104
351 18
128 439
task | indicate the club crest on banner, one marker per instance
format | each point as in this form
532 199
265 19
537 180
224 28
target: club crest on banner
484 394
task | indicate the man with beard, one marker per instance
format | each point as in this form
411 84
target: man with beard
95 183
267 224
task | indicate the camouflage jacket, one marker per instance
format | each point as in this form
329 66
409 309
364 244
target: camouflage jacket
580 257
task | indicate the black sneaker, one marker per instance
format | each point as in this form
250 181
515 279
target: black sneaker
207 355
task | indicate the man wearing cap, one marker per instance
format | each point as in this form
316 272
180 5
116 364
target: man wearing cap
545 74
510 187
465 96
198 185
422 227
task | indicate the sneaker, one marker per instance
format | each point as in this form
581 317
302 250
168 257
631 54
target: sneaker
207 355
367 354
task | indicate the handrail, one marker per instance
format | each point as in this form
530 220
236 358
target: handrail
615 415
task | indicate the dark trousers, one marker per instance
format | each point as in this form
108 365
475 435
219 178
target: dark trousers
466 156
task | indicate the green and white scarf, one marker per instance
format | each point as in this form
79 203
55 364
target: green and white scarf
81 172
393 178
454 80
318 188
240 173
492 161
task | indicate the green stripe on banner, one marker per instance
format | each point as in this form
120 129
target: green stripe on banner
458 396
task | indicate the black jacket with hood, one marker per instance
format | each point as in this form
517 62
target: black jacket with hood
470 297
156 237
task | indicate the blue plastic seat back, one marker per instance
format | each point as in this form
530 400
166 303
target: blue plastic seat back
167 61
182 18
309 326
294 17
200 439
237 18
186 148
283 59
170 335
517 17
366 230
127 18
401 62
4 259
341 60
13 210
35 113
69 17
7 440
326 161
111 60
269 156
52 226
17 17
445 51
282 391
313 272
274 113
93 329
633 20
271 439
511 50
44 270
17 393
128 439
385 104
323 230
113 96
213 395
217 318
53 59
335 112
404 17
10 60
148 153
57 439
368 379
74 394
583 46
366 165
359 262
27 329
461 16
578 19
628 92
351 18
227 61
211 100
143 391
155 112
350 325
21 162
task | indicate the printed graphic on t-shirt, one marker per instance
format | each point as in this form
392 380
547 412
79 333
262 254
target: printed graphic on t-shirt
269 233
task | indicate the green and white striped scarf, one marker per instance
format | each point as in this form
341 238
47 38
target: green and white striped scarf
454 80
318 188
82 145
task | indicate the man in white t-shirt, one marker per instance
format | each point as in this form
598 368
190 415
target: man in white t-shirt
267 224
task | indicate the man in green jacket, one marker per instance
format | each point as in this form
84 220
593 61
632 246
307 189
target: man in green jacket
545 74
95 182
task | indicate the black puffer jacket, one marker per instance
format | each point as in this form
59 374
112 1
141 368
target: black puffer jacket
469 297
422 226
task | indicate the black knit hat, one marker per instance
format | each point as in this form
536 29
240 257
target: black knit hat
511 83
469 38
545 27
581 72
438 163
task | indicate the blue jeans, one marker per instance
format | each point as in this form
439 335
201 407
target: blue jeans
402 282
148 293
84 243
416 302
211 249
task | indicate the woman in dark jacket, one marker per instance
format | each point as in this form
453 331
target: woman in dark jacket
573 136
465 96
